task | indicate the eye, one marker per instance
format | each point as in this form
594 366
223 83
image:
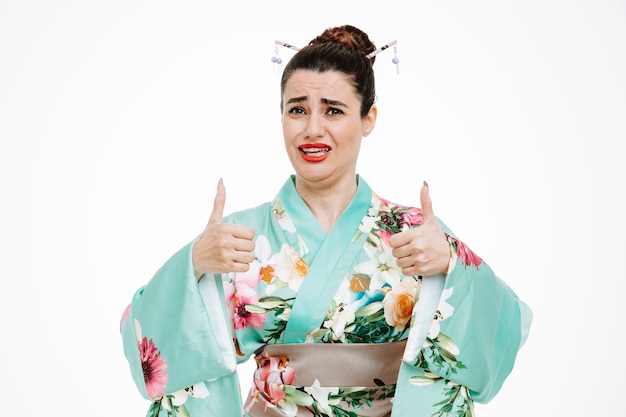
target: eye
296 110
333 111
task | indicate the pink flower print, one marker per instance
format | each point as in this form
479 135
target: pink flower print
384 236
229 296
467 256
154 368
243 293
270 378
261 268
392 220
125 316
244 318
412 216
281 217
246 282
242 284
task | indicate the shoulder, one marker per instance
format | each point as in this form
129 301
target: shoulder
250 215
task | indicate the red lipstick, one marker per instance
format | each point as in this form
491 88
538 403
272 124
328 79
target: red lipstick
314 152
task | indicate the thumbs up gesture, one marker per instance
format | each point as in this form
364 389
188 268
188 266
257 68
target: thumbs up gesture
422 250
222 248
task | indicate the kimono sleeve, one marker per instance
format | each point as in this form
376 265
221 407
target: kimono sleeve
175 332
480 326
486 325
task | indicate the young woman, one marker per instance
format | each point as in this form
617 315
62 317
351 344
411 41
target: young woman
321 283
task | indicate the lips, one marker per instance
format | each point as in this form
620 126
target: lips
314 152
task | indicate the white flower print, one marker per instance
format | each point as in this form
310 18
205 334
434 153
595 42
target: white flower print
444 311
289 407
289 267
368 223
370 219
321 395
381 267
344 314
180 397
262 249
281 216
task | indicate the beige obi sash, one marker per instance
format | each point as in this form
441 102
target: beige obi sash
357 377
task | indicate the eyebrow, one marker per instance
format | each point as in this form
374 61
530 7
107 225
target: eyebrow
327 101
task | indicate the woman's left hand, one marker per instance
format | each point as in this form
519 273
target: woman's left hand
422 250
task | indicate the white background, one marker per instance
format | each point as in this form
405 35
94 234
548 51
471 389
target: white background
117 118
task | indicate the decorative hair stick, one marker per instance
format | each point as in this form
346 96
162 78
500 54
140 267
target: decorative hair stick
379 50
286 45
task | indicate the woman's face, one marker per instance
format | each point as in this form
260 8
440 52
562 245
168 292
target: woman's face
322 126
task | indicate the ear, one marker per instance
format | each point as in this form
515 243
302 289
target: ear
369 121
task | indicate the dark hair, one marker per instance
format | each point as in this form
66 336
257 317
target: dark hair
343 49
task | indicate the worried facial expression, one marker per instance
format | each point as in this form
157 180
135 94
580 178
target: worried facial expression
323 127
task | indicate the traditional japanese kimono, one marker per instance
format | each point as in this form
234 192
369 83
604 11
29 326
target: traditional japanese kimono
327 318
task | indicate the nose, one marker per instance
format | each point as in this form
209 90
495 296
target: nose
315 127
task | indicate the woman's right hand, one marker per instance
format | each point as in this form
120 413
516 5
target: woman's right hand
222 247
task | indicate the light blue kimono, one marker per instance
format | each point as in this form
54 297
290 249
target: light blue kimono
183 339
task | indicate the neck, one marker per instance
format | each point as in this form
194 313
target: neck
327 202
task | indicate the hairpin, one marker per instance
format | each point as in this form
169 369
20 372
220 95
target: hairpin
276 59
286 45
379 50
395 59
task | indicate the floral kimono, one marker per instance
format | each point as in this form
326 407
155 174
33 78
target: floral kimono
326 317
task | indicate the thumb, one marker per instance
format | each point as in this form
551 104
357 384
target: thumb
427 205
218 204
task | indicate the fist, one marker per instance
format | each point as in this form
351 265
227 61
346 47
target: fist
222 247
422 250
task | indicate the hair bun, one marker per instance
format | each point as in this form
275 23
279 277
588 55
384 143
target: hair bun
349 36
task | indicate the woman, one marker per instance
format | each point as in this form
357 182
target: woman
319 284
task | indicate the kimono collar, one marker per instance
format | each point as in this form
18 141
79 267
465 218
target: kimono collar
328 256
304 220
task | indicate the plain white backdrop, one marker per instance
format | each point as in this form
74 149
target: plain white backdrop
117 119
